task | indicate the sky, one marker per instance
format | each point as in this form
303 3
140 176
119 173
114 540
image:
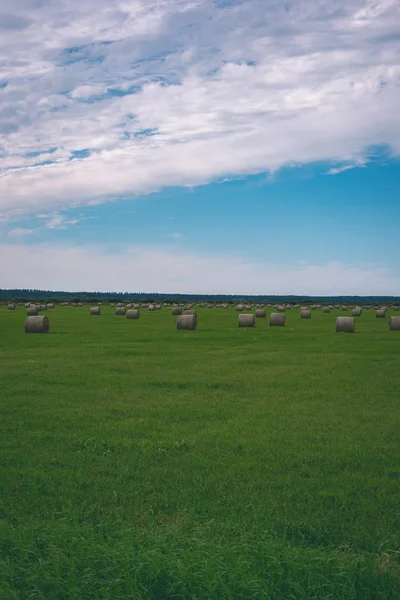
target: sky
200 146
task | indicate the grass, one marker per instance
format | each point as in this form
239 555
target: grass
138 461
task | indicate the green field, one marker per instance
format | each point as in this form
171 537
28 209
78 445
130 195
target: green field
138 461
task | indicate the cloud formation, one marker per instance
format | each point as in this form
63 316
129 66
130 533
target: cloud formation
103 99
154 269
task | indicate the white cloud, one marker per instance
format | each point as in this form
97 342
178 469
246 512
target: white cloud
18 232
221 89
154 269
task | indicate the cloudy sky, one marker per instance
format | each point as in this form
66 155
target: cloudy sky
231 146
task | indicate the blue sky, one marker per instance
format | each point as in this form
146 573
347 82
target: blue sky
200 146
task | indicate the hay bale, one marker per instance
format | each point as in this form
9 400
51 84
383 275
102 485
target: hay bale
95 310
394 323
37 324
261 313
157 307
120 311
343 307
239 307
280 308
305 313
119 305
277 320
186 322
51 305
11 307
380 313
327 309
31 311
246 320
190 311
345 324
151 307
356 312
176 311
132 314
129 305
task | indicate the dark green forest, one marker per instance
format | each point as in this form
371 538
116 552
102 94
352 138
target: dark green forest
91 297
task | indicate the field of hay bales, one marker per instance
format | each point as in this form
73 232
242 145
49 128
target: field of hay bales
142 461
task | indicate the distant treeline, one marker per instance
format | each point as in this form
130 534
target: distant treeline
92 297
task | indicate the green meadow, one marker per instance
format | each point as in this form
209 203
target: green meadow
138 461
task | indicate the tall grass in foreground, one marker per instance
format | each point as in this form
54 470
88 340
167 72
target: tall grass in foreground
138 461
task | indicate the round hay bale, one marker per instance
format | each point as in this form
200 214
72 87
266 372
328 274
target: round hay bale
157 307
277 320
151 307
327 309
190 311
186 322
356 312
280 308
120 311
37 324
246 320
27 304
133 314
11 307
176 311
119 304
51 305
239 307
31 311
95 310
394 323
261 313
345 324
305 313
343 308
129 305
380 313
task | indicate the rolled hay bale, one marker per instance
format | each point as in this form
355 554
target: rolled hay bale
277 320
151 307
239 307
327 309
129 305
380 313
11 307
136 306
305 313
190 311
157 307
356 312
95 310
186 322
394 323
51 305
345 324
246 320
176 311
261 313
119 305
133 313
31 311
120 311
343 308
37 324
27 304
247 307
280 308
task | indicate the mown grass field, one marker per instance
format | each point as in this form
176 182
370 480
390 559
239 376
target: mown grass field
138 461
